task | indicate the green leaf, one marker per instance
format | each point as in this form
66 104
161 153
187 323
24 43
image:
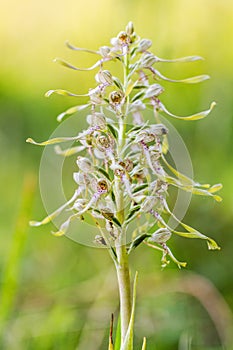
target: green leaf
132 213
112 130
140 188
103 172
117 342
144 344
113 196
128 341
110 341
116 221
137 241
130 87
137 96
152 229
196 116
118 83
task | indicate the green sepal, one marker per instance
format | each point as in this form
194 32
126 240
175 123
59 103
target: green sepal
103 172
137 241
112 130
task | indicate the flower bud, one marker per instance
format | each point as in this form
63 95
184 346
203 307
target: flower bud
97 119
130 28
96 95
104 51
145 137
149 203
160 236
84 164
144 45
116 97
153 90
104 77
81 179
159 129
148 60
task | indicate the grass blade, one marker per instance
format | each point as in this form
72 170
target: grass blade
128 341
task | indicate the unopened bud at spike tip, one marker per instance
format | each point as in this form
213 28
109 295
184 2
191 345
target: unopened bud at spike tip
130 28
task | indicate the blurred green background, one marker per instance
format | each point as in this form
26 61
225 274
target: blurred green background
55 293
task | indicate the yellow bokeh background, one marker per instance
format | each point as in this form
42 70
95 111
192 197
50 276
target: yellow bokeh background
46 283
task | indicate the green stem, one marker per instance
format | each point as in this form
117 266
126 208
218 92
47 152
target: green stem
122 265
123 278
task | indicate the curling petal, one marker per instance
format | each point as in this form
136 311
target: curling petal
192 80
191 232
72 47
52 216
71 111
68 65
63 93
69 151
63 228
53 141
215 188
186 180
181 59
196 116
179 263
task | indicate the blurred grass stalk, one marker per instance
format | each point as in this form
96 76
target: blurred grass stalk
11 274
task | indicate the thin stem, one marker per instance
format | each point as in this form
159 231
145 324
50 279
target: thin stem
124 288
122 265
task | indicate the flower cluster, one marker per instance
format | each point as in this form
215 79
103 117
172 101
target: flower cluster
123 175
